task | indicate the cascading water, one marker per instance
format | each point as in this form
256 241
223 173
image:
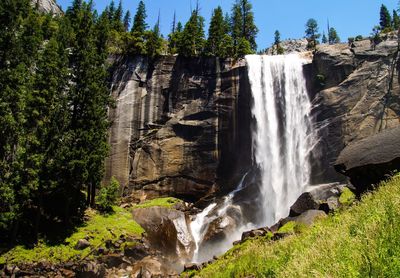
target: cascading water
284 137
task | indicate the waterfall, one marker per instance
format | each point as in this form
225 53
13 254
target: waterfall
283 137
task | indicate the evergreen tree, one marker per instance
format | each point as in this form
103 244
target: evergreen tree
216 33
385 19
117 23
242 24
333 36
237 23
127 20
154 42
137 44
324 38
312 33
249 28
174 36
243 48
139 21
191 41
395 20
277 43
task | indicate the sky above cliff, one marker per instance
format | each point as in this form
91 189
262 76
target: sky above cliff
349 17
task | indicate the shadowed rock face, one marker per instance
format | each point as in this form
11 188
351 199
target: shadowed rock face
368 161
355 101
181 126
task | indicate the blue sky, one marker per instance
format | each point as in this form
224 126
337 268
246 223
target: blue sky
349 17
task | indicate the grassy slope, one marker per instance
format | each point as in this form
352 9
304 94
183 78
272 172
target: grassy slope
362 241
99 228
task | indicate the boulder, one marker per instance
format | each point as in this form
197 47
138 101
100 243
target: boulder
167 230
315 197
82 244
308 218
112 260
254 233
91 270
191 266
152 267
370 160
136 252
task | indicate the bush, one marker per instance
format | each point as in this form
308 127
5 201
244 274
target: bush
108 196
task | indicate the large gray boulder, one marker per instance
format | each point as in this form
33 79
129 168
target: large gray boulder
167 230
370 160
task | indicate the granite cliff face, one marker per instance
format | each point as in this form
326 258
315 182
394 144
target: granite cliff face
181 126
358 95
47 6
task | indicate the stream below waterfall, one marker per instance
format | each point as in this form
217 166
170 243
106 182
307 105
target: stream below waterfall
282 140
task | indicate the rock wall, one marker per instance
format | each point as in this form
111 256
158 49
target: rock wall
180 127
357 92
47 6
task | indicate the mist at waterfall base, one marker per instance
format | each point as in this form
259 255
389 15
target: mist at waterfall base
282 140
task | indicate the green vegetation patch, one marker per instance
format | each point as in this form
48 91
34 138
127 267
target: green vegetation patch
167 202
98 229
347 197
361 241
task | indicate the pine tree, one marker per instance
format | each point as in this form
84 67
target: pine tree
324 38
154 42
249 28
127 20
191 40
333 37
395 20
277 43
216 33
117 23
312 33
174 36
237 23
385 19
137 44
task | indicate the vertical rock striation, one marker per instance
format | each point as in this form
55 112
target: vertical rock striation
175 126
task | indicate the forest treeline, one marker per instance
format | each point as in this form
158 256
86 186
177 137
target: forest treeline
229 35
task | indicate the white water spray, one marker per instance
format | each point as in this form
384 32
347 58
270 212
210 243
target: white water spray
282 143
284 137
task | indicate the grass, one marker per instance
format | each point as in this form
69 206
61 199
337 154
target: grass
97 229
360 241
167 202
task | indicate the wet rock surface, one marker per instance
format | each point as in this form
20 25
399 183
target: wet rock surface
167 231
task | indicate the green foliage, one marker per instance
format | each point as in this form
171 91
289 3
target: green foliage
385 19
395 20
108 196
139 21
243 48
191 41
347 197
167 202
216 33
361 241
312 33
243 25
98 229
333 37
324 38
277 43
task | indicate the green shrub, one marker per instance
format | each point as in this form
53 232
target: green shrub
347 197
108 196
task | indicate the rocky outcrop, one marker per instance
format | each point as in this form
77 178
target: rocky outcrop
47 6
289 46
370 160
318 197
167 231
180 126
358 95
